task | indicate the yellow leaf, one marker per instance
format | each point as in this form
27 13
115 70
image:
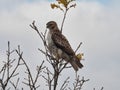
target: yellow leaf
63 2
54 6
80 56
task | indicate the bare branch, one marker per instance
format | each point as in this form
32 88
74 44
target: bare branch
15 85
31 82
39 68
78 47
18 51
36 29
9 69
49 78
65 84
64 17
79 82
100 89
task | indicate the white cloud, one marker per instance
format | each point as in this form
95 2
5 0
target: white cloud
96 25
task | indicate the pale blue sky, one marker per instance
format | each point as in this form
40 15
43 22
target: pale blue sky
11 4
93 22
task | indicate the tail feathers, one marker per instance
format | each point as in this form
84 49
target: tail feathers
79 64
77 61
74 65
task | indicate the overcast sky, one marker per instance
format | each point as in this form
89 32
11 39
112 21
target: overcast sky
96 23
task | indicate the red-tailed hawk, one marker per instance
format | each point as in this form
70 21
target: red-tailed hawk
59 46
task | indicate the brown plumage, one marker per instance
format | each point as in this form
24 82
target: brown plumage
59 46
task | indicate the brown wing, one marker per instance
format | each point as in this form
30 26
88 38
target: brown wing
62 43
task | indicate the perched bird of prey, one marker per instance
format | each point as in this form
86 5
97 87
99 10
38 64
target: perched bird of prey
59 46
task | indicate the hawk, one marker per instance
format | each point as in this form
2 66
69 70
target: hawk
59 46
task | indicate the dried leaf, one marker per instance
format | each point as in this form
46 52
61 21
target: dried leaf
80 56
54 6
63 2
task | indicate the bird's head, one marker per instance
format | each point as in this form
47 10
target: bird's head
51 25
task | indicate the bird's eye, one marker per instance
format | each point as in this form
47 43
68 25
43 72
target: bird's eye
52 27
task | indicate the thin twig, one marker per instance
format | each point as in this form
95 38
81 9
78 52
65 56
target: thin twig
79 82
36 29
15 84
65 84
63 19
102 88
78 47
39 68
7 72
28 70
